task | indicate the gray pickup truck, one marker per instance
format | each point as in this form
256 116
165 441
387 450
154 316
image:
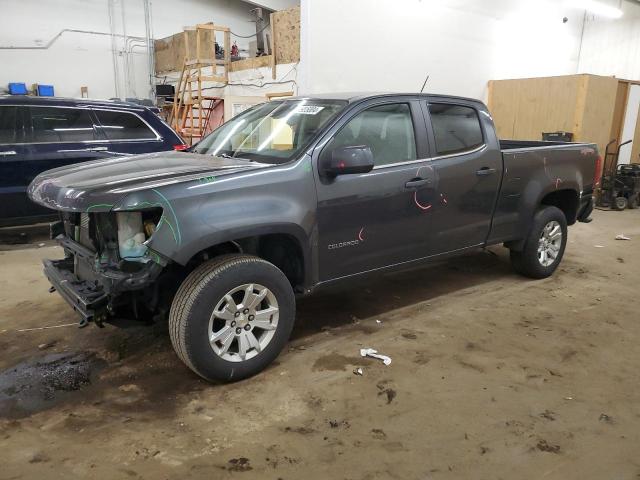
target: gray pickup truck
296 194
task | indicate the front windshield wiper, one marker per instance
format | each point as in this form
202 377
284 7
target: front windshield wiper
226 155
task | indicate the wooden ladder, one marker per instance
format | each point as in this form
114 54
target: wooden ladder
191 112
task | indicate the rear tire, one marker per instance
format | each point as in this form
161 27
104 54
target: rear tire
231 317
543 248
634 202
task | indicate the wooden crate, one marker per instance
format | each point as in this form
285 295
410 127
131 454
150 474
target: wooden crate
582 104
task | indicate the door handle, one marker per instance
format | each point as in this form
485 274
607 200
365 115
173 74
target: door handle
8 152
417 182
485 171
98 149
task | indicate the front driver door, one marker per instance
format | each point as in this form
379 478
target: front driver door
367 221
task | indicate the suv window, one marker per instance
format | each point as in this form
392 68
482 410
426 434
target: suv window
60 124
118 125
386 129
8 124
456 128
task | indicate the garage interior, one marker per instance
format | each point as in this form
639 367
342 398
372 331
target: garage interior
492 375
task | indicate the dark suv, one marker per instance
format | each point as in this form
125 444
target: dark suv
38 134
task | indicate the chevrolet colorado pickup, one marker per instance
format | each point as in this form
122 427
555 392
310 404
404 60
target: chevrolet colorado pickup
299 193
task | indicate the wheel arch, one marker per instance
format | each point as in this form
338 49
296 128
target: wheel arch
284 245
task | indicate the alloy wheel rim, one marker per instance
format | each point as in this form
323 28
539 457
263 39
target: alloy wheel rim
550 243
243 322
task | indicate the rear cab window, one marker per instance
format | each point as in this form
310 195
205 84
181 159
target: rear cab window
121 125
60 124
456 128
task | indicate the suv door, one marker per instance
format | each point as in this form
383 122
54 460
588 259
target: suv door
56 136
13 159
367 221
467 168
127 132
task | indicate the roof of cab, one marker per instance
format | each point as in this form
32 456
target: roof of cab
65 102
353 97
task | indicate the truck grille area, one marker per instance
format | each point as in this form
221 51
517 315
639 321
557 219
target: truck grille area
84 238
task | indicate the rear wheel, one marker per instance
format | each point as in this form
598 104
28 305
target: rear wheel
620 203
545 245
231 317
634 202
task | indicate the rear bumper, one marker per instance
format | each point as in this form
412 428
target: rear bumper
84 297
585 210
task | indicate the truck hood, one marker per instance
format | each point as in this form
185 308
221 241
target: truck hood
102 183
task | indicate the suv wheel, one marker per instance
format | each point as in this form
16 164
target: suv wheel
231 317
545 245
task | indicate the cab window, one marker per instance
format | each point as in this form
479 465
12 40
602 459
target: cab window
386 129
456 128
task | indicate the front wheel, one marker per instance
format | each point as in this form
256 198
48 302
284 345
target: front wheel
231 317
544 247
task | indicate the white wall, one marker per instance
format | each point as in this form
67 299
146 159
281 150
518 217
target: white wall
387 45
80 59
612 47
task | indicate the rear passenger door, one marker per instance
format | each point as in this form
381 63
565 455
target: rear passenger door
367 221
127 133
467 169
13 198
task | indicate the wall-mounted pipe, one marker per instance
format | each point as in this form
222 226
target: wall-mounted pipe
58 35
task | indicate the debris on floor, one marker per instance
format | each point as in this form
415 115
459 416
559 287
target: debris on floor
358 371
544 446
622 236
370 352
605 418
599 246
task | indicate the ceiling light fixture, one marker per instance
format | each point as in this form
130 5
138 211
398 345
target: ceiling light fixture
597 8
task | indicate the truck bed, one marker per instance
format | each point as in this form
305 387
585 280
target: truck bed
518 144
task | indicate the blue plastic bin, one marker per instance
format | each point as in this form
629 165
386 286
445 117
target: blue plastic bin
45 90
17 89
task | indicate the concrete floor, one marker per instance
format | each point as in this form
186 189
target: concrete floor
493 376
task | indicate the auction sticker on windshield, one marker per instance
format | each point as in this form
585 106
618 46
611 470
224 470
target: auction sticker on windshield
308 109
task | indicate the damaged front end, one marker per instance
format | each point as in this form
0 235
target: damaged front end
107 263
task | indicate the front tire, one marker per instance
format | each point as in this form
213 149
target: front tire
231 317
544 247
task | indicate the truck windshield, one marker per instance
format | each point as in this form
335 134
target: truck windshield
273 132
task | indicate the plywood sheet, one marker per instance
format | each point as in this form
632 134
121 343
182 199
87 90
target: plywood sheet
249 63
598 112
286 35
170 51
523 109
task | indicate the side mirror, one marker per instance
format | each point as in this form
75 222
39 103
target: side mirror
346 160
